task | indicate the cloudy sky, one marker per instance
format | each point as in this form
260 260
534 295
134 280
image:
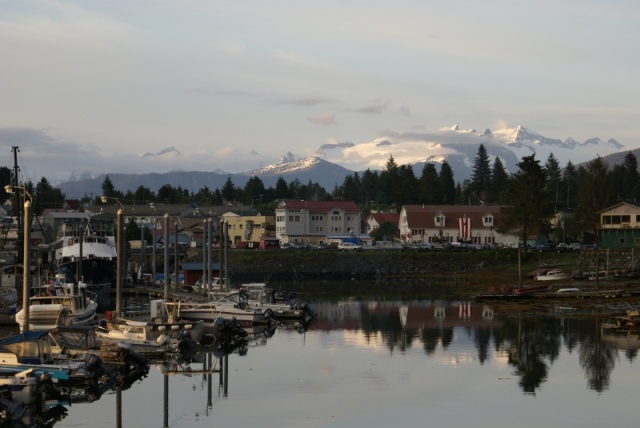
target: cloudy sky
92 85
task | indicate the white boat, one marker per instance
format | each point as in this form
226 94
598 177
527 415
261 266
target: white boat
200 288
88 246
552 275
224 308
258 295
141 335
59 304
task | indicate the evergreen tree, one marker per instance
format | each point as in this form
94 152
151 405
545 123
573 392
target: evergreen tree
46 196
407 186
632 177
480 174
499 181
370 182
228 191
108 189
429 185
349 189
389 180
253 191
552 169
5 178
570 182
385 232
282 189
447 184
204 197
529 205
594 195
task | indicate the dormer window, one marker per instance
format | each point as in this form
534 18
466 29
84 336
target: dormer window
439 219
487 220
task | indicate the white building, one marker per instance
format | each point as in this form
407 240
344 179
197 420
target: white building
317 222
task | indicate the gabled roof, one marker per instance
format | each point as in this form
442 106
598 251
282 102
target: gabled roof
388 217
422 216
619 204
320 206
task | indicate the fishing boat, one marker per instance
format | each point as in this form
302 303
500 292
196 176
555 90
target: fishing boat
59 303
552 275
85 250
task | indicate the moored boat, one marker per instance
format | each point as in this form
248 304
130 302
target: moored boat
59 304
258 295
148 336
552 275
225 308
85 250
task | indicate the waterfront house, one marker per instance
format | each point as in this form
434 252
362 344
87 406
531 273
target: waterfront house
452 224
375 219
619 226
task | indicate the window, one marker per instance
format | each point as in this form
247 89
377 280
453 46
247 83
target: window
622 241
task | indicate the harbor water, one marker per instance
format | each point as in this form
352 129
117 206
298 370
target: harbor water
381 363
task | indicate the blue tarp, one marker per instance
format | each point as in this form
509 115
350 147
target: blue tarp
28 336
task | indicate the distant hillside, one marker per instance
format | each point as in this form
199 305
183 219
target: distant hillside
325 173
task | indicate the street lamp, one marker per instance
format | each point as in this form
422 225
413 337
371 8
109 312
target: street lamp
120 251
153 242
26 257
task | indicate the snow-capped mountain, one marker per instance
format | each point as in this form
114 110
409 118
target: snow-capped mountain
460 146
331 163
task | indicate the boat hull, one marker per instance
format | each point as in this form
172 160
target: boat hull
94 271
210 313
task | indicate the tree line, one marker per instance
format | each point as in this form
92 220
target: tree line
534 193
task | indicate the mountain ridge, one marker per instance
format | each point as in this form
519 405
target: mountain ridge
328 166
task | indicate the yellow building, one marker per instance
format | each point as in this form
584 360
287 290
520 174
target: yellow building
249 228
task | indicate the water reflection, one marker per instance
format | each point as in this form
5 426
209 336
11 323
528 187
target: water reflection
531 342
526 346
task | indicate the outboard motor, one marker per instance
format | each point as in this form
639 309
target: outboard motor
186 346
98 367
46 386
10 410
126 355
269 316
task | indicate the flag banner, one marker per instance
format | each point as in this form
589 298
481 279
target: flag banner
464 228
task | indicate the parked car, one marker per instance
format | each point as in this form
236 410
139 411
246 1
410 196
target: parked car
349 246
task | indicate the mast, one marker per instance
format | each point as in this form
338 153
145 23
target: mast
16 209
